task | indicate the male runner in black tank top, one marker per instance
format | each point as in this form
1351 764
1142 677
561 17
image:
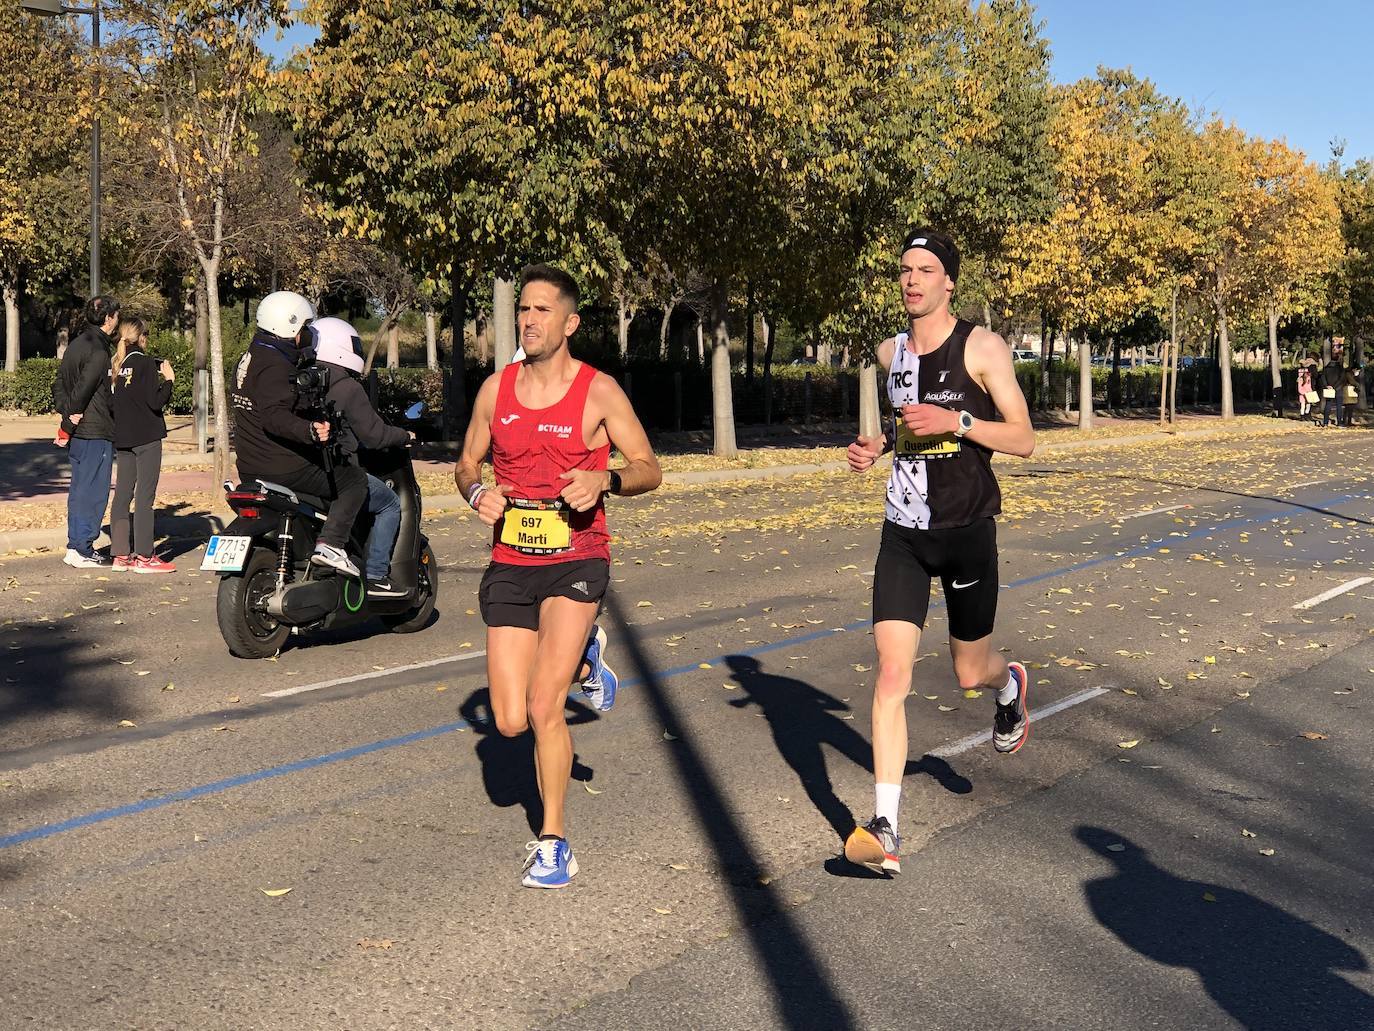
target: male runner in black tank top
948 380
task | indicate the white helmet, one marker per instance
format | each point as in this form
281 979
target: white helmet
337 343
284 313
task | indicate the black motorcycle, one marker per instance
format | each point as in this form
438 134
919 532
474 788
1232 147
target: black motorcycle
270 590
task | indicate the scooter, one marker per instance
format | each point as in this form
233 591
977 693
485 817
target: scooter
269 590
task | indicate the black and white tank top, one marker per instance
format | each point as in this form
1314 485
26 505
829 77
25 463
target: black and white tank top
939 481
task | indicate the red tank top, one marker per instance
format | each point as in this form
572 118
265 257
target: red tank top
530 447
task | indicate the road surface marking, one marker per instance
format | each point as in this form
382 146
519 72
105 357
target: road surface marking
974 740
1155 511
303 688
1313 602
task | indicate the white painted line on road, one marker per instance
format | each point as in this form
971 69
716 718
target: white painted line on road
1313 602
1155 511
973 741
303 688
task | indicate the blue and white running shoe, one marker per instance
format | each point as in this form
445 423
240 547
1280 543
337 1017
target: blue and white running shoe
550 864
601 683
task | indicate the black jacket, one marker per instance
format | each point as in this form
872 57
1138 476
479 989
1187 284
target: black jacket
1334 374
362 426
140 393
270 439
82 386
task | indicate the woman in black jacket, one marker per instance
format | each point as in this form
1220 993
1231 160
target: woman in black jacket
141 390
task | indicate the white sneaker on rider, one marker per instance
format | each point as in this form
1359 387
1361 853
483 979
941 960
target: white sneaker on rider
334 558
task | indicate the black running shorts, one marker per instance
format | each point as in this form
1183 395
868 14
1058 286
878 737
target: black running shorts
965 560
511 595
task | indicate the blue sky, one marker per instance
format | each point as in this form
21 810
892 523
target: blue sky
1294 71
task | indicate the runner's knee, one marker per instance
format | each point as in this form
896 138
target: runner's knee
547 712
894 680
511 724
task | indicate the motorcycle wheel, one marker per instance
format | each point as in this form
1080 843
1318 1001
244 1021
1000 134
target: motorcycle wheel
418 617
250 632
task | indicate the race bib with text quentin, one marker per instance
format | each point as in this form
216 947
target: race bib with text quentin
537 527
921 448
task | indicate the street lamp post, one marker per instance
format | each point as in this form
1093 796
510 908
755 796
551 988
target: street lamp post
55 8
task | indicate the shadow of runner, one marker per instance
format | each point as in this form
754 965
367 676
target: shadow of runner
802 719
1268 969
803 992
508 762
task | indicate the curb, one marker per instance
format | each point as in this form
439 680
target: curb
202 525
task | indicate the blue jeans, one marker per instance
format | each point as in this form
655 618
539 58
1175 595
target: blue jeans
385 507
92 464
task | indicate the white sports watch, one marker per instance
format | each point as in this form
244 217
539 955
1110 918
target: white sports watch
965 424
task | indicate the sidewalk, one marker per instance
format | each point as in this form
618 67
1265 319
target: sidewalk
37 475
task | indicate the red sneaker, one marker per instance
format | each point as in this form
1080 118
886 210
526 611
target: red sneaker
123 563
151 564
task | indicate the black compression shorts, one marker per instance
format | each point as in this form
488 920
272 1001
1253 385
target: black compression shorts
965 560
511 595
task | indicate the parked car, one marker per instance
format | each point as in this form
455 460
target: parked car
1023 355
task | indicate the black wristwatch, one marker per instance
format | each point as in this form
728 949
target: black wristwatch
615 482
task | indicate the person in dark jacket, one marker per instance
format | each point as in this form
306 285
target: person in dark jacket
339 349
1332 381
140 391
273 443
81 394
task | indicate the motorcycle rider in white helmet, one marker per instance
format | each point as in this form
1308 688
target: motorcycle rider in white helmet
339 349
273 443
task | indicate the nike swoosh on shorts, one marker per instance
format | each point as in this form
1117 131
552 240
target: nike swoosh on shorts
959 587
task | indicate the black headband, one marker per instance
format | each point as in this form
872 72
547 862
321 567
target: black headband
949 256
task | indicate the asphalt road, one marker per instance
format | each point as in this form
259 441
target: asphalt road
1151 590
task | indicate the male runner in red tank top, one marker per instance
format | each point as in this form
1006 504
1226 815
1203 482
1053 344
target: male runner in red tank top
549 422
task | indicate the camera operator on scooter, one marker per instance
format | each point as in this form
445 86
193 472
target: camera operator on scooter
339 349
275 444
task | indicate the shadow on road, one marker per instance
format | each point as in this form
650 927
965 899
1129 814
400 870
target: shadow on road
34 469
802 719
802 990
1268 969
508 762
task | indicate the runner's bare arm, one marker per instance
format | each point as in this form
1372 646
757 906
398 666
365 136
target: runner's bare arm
476 444
641 472
988 359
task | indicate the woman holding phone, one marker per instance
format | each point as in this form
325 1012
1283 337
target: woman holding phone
141 388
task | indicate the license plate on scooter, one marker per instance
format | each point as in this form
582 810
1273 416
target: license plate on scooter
226 554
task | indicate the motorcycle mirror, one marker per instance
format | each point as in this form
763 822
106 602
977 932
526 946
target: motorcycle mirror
413 412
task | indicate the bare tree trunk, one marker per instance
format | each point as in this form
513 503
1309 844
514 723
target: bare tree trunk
432 337
624 316
1046 357
481 327
870 420
749 339
701 343
768 342
1275 371
383 333
987 316
722 401
201 386
1228 405
210 268
1085 383
663 331
10 288
393 343
503 320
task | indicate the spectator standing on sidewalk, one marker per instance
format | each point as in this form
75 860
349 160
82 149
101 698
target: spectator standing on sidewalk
1331 381
81 394
1307 390
141 389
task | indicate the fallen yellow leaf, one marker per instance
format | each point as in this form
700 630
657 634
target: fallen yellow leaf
1127 744
274 893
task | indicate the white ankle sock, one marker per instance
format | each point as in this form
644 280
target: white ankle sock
1008 694
887 796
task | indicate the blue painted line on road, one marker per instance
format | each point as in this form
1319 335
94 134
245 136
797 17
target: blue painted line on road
215 787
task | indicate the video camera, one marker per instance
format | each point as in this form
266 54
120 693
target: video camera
312 402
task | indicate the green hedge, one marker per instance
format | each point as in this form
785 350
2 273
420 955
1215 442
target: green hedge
29 388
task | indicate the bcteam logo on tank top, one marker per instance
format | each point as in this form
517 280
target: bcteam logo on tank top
562 432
